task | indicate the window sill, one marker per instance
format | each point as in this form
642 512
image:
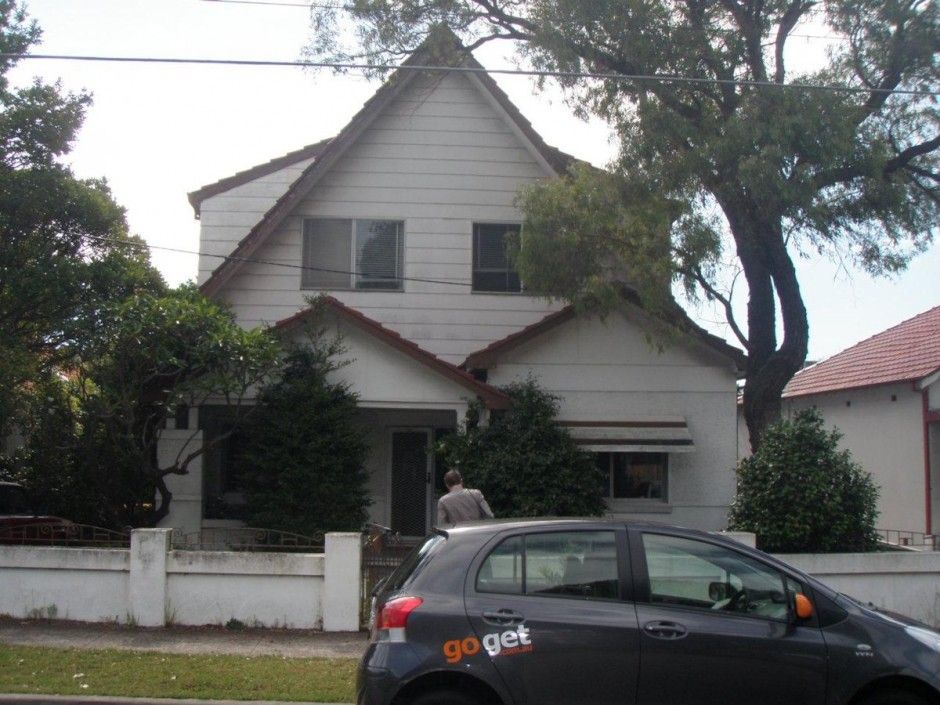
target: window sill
627 506
345 289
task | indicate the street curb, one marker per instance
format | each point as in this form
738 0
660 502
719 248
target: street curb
31 699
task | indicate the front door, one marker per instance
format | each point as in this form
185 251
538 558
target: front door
715 627
410 482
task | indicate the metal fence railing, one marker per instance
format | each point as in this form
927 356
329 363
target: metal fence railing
909 539
63 534
383 550
247 539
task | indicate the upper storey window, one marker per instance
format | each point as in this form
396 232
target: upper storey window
352 253
491 268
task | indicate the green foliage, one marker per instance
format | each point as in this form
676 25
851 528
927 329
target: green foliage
64 246
302 466
524 463
799 493
92 431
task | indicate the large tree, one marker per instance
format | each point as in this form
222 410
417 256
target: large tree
720 140
64 247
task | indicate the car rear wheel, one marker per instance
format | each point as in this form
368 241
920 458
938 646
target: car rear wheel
444 697
894 697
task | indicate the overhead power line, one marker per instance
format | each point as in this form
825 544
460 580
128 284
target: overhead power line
638 78
287 265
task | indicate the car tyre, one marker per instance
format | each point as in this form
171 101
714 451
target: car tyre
444 697
894 697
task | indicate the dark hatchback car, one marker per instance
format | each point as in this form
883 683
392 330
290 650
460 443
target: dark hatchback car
582 612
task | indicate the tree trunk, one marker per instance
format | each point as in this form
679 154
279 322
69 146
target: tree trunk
161 511
771 279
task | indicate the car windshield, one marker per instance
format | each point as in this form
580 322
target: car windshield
13 500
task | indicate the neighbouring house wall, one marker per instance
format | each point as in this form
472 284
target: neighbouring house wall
904 582
607 370
150 585
440 158
887 438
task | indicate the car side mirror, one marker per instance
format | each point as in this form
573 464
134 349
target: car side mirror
718 591
802 606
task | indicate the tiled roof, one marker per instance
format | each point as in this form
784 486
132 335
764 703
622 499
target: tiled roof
492 397
905 353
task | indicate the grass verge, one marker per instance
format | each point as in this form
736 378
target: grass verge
28 669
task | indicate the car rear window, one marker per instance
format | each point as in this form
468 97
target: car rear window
413 564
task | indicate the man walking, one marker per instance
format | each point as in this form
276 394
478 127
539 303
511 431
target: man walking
460 504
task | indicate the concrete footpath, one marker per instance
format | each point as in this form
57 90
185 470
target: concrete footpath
174 640
184 640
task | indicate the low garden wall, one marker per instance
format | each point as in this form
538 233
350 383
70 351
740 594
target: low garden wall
902 581
152 585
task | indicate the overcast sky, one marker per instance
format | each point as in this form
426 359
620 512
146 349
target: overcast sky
158 131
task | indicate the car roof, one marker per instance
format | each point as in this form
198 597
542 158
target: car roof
487 526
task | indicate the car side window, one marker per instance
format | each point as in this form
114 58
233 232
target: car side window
689 573
580 564
502 570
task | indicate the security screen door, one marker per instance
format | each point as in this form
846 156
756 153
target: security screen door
410 482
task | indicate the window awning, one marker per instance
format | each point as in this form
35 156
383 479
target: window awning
660 435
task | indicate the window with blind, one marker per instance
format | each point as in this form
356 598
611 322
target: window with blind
492 270
347 253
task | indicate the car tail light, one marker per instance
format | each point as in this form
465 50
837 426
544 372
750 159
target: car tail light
394 613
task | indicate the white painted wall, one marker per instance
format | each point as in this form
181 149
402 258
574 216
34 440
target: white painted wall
150 585
887 438
440 158
606 370
84 584
904 582
186 506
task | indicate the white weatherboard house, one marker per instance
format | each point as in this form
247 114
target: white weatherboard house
883 394
400 220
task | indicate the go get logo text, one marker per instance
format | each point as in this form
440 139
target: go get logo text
508 643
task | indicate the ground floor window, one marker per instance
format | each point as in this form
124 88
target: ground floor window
634 475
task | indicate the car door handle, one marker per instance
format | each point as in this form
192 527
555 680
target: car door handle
665 630
502 617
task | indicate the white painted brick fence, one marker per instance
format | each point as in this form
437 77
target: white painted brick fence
151 585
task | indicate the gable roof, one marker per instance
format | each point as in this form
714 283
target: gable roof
676 318
907 352
243 177
442 48
491 396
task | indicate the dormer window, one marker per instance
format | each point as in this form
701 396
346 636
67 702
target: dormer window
352 253
492 271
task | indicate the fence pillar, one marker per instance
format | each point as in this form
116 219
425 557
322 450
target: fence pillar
147 596
342 582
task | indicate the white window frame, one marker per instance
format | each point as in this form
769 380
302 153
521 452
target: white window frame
353 284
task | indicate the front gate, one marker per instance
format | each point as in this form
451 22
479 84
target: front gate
383 550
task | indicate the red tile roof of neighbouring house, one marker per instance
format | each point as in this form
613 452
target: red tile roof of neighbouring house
491 396
907 352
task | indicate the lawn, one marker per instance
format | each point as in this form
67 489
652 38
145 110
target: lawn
27 669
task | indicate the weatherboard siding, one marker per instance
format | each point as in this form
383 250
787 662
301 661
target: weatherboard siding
229 216
439 158
621 376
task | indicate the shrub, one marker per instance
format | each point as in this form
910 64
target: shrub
302 463
799 493
523 462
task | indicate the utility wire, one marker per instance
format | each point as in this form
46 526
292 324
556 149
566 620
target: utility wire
250 260
639 78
